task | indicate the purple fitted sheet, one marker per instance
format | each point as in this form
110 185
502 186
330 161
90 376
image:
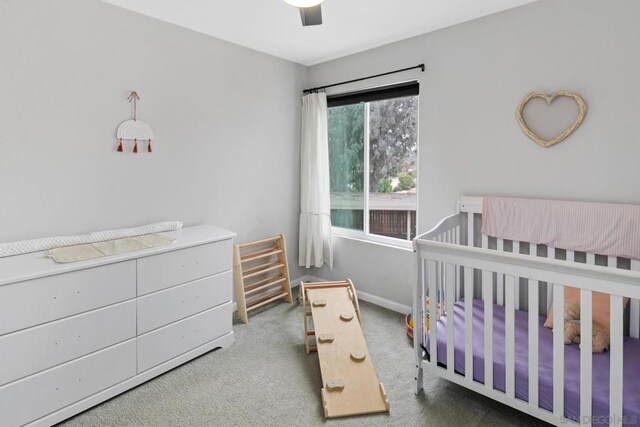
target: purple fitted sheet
600 376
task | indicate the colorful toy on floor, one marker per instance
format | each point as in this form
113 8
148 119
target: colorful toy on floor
350 384
408 320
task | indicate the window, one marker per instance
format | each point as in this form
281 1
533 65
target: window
373 160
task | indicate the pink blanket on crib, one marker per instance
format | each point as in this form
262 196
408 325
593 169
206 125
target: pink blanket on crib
600 228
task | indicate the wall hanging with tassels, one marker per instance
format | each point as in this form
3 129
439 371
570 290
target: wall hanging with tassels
134 130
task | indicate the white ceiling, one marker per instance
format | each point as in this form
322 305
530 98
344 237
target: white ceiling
350 26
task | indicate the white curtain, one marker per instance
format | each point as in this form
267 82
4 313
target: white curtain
315 246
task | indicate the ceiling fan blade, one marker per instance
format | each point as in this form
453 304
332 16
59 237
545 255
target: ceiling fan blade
311 15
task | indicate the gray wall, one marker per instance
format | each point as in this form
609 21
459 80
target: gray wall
470 143
226 120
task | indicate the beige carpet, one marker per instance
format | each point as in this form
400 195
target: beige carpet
266 379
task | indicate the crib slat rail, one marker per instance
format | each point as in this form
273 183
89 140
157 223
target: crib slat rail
634 309
558 351
551 254
449 302
418 323
468 324
433 310
616 360
500 277
469 286
516 290
533 342
487 293
510 345
444 261
593 278
586 355
450 222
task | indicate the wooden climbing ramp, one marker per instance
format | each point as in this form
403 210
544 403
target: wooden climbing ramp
350 383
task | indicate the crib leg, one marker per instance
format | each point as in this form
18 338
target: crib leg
419 378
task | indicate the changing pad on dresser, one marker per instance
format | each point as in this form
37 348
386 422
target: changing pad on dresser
88 251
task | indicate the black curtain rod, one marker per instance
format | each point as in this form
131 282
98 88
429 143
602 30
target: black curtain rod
315 89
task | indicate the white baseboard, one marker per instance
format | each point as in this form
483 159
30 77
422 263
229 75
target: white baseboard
364 296
383 302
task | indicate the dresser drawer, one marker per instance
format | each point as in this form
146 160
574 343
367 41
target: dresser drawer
38 395
177 267
30 303
35 349
170 341
167 306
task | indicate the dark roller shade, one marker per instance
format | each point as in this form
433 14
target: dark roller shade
378 94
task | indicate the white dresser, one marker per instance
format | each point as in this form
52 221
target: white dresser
74 335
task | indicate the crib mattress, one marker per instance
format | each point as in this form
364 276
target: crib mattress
600 394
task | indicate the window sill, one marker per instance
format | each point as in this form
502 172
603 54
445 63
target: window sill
361 236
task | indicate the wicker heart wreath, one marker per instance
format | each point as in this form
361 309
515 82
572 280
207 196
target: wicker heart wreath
582 107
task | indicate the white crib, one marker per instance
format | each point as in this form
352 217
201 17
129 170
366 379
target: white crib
454 259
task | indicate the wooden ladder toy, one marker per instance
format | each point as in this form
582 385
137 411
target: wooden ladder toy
260 274
350 383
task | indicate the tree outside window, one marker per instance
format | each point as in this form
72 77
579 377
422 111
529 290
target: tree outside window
373 166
